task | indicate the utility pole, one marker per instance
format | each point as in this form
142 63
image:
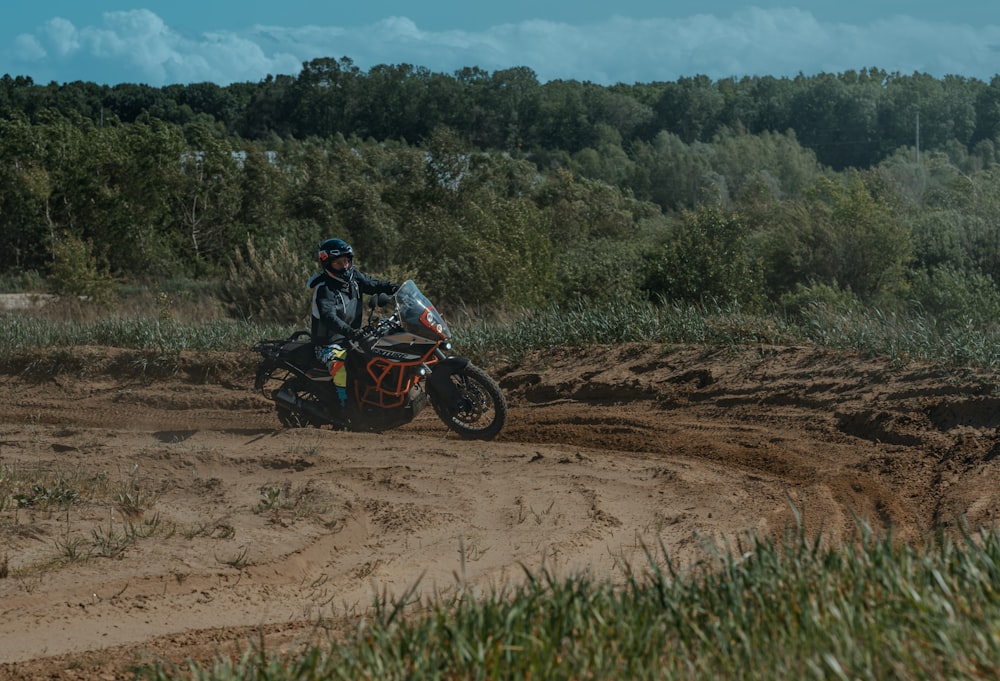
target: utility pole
918 137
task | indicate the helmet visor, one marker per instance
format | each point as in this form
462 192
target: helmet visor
333 254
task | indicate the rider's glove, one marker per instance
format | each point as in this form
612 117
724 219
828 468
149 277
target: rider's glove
361 339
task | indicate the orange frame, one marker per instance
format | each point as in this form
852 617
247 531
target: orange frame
389 390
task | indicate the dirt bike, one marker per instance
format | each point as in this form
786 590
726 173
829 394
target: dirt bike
399 366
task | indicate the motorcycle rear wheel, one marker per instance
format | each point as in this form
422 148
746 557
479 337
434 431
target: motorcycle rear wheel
483 412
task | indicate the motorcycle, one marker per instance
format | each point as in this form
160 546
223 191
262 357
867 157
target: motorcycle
402 364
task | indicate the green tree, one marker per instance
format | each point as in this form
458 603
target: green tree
311 198
323 96
76 270
837 116
264 190
471 233
921 107
599 235
849 235
669 172
26 229
977 200
271 109
706 258
207 199
617 109
607 162
132 171
390 103
563 119
956 297
987 107
689 108
738 157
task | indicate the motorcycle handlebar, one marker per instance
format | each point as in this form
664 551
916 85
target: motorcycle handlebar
379 327
373 330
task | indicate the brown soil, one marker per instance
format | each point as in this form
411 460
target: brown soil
258 533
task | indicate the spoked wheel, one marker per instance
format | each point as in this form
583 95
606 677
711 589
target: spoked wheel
482 412
312 410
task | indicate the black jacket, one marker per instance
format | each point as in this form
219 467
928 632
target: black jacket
336 303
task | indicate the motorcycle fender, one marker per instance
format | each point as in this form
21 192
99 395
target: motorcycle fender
439 384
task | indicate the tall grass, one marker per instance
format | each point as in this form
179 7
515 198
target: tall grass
902 337
870 610
27 333
896 336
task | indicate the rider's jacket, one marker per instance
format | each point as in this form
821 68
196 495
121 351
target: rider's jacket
336 303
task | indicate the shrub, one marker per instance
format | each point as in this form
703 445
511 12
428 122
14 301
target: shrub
267 286
707 259
956 297
799 303
77 271
18 281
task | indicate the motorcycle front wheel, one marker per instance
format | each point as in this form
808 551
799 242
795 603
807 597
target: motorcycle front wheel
482 411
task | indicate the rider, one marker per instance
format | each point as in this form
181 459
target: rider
336 306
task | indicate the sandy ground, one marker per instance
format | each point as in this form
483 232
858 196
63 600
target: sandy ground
174 518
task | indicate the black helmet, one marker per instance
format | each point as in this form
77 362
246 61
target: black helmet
331 249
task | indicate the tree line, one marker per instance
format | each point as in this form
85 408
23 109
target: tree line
850 119
496 189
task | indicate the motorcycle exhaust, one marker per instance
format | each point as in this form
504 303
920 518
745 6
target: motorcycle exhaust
307 407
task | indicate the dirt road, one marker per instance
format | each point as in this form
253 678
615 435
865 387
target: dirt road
147 518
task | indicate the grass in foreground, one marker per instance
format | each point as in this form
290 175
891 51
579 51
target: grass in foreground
871 610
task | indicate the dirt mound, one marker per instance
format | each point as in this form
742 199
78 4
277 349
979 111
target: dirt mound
199 525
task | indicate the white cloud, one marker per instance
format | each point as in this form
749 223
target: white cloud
780 42
62 36
137 46
27 49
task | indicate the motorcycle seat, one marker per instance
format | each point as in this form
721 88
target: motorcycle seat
300 353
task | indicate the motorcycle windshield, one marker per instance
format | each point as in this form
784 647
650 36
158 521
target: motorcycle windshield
418 315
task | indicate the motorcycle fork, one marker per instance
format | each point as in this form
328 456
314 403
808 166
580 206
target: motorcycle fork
442 388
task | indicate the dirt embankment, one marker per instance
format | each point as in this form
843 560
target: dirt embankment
202 525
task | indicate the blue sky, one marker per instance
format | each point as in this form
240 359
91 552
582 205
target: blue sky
628 41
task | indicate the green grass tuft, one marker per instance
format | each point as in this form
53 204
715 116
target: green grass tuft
871 610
